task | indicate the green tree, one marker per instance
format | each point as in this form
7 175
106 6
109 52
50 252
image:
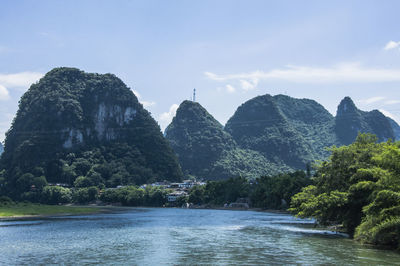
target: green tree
359 188
83 181
55 195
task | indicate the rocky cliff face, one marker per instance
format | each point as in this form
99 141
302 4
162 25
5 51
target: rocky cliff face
86 116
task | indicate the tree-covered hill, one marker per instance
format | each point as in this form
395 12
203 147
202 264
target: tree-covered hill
350 121
1 148
279 131
313 122
262 124
74 124
206 150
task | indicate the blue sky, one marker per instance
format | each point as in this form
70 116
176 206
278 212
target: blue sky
230 51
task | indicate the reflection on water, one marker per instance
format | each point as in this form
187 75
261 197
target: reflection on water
180 237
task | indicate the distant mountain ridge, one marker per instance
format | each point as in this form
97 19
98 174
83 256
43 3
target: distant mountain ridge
206 150
284 132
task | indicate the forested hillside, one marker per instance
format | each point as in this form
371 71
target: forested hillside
268 134
76 127
206 150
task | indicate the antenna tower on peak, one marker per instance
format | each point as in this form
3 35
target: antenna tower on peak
194 94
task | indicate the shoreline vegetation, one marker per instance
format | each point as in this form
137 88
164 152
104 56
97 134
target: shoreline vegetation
26 210
21 210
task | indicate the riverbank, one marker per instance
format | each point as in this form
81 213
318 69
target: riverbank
23 210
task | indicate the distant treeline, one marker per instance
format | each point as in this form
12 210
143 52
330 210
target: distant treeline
268 192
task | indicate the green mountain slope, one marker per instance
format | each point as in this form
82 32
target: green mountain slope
267 134
313 122
259 124
73 123
206 150
350 121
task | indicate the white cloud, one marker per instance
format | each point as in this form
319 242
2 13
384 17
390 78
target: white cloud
372 100
227 88
4 94
166 118
230 88
388 114
22 79
341 73
5 122
136 93
248 85
146 104
392 102
16 80
391 45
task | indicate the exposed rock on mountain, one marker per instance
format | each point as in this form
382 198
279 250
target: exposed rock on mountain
73 123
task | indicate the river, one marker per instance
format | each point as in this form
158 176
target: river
164 236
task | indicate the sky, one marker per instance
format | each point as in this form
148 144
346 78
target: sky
230 51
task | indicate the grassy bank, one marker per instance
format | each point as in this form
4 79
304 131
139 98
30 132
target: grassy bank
30 209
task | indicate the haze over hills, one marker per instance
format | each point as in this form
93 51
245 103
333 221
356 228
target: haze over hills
74 124
284 132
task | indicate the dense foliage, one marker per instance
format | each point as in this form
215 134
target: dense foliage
259 124
207 151
267 192
134 196
267 135
358 188
275 192
73 126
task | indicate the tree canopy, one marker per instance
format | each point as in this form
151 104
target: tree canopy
358 188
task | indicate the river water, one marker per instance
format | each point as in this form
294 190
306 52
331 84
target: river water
157 236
